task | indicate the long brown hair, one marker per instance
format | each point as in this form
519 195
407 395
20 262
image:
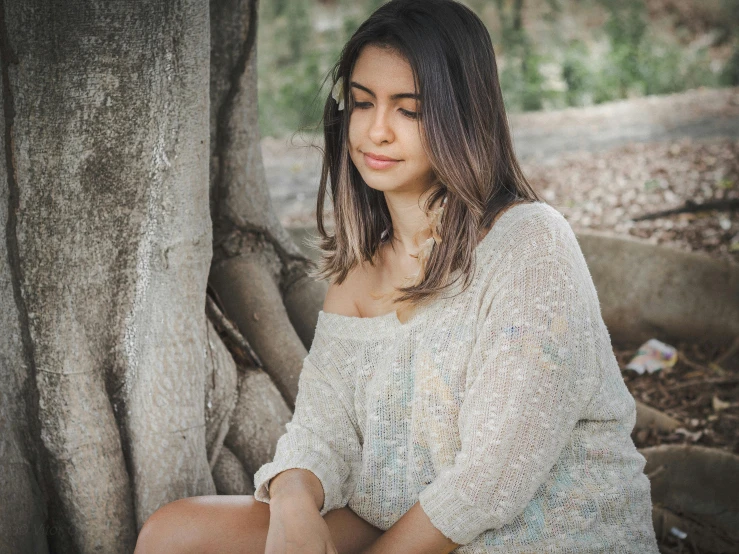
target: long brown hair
465 134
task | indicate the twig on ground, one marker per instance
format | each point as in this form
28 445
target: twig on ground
693 207
733 349
701 382
694 365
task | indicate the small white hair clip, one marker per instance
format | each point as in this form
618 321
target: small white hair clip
337 93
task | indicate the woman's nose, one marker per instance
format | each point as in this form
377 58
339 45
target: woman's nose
381 131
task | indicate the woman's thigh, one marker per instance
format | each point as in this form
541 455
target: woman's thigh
238 524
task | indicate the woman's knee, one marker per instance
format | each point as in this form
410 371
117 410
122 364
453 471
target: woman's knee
201 523
161 532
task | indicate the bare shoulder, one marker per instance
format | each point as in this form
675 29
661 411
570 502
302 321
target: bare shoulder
343 298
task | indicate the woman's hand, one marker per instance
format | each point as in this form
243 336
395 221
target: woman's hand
295 522
296 527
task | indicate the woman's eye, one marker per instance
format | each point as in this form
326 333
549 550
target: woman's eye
408 113
362 105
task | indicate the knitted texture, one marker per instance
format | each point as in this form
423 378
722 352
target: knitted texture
501 408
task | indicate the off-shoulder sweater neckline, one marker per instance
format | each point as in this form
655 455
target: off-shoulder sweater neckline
356 327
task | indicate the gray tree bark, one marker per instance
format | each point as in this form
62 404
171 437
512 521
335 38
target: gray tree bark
131 178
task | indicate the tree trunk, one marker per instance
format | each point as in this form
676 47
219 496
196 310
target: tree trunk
117 395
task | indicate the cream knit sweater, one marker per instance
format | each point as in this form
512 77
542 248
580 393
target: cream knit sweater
501 409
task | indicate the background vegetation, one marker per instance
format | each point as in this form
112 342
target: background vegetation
551 53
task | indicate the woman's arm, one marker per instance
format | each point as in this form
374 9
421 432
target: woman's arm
295 524
322 435
412 534
534 368
297 484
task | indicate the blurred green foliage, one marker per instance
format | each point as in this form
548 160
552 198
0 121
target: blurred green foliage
300 40
729 27
640 63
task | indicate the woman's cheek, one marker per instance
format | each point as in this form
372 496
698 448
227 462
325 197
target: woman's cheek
354 125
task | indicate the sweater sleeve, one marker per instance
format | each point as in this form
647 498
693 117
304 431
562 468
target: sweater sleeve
532 372
322 436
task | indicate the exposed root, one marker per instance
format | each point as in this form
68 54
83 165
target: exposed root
303 300
252 299
221 381
258 420
229 475
725 204
216 315
650 418
694 488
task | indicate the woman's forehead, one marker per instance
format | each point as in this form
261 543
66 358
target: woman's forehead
383 71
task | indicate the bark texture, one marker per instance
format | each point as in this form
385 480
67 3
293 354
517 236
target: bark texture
117 393
23 506
107 250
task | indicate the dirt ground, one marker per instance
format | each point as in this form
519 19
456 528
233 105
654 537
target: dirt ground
699 392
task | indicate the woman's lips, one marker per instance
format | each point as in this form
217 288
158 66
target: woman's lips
379 162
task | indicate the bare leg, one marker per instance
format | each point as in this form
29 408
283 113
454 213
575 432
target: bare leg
238 524
350 532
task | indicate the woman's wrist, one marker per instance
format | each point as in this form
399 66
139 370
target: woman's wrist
297 487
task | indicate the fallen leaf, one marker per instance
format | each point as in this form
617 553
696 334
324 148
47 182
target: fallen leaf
692 437
719 404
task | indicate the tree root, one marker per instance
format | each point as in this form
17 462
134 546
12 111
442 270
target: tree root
221 381
252 299
22 517
651 418
216 315
84 453
229 475
303 299
22 502
695 489
726 204
258 420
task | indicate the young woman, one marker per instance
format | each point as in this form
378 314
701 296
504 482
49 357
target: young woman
461 388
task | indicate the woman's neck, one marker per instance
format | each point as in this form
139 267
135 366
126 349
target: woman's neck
410 223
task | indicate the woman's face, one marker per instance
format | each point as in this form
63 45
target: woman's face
384 133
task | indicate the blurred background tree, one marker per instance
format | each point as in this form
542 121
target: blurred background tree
551 53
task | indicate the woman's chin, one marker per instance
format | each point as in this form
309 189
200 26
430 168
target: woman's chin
382 183
394 185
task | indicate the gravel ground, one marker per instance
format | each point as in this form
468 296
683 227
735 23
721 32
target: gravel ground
605 190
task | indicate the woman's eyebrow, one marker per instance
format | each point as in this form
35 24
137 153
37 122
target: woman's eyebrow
397 96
